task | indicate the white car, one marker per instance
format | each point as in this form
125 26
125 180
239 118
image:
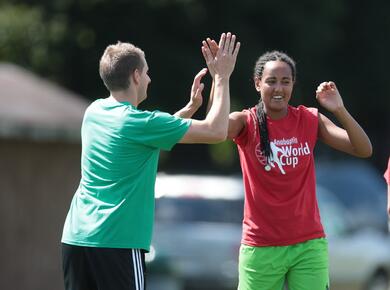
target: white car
358 259
198 232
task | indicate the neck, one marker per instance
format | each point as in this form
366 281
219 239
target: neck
276 115
125 96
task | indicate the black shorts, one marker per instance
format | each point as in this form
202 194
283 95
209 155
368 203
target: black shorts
89 268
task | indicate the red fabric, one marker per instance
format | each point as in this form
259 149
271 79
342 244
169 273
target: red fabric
387 173
280 204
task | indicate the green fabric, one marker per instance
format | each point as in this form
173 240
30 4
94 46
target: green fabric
114 204
302 266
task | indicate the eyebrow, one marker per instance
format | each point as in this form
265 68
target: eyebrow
273 77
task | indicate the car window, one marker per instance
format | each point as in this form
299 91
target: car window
354 182
333 214
199 210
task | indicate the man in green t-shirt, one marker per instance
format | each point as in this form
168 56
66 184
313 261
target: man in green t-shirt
109 224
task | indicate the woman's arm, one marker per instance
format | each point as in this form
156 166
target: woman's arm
351 138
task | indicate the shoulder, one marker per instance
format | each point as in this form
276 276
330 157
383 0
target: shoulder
243 117
301 109
239 116
147 115
239 123
304 113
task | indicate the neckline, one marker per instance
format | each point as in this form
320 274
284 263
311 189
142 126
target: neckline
269 119
112 100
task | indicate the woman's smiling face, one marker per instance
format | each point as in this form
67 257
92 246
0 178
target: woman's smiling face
275 88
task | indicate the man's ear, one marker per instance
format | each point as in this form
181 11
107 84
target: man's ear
257 82
136 76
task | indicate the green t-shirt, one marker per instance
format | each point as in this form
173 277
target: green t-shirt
113 206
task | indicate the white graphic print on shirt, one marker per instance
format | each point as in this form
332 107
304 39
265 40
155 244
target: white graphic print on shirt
284 152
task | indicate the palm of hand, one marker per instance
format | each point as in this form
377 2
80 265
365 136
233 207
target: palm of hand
214 49
221 58
329 97
196 98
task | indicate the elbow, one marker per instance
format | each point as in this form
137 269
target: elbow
219 137
365 153
217 134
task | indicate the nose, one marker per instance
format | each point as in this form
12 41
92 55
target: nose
278 87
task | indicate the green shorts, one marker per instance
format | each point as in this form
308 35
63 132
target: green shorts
302 266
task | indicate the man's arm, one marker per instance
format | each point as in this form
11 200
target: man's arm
214 127
236 119
196 98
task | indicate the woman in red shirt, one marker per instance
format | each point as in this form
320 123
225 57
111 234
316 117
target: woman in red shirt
283 239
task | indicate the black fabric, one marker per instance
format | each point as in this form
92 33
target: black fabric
89 268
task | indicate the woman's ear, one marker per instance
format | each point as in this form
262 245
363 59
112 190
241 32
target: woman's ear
257 82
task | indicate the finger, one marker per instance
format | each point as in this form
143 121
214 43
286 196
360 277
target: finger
321 87
213 46
199 90
227 43
205 44
209 43
200 75
332 85
207 54
222 42
232 42
236 50
204 53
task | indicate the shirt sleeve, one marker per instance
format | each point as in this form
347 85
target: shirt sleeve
162 130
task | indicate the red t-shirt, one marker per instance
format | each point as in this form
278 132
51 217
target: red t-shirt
280 200
387 173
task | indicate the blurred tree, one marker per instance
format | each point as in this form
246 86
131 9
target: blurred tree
341 40
27 40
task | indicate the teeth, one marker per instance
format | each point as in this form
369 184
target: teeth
277 97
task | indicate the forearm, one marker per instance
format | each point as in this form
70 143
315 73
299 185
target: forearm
358 138
210 103
218 115
187 112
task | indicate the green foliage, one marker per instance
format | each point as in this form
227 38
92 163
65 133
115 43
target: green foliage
339 40
223 154
26 38
22 34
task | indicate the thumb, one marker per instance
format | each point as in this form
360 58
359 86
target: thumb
199 90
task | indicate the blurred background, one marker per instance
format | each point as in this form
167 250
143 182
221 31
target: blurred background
49 54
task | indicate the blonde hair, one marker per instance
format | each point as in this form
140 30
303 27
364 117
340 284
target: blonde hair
118 62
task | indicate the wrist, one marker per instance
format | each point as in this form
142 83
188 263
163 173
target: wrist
340 111
221 78
192 107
